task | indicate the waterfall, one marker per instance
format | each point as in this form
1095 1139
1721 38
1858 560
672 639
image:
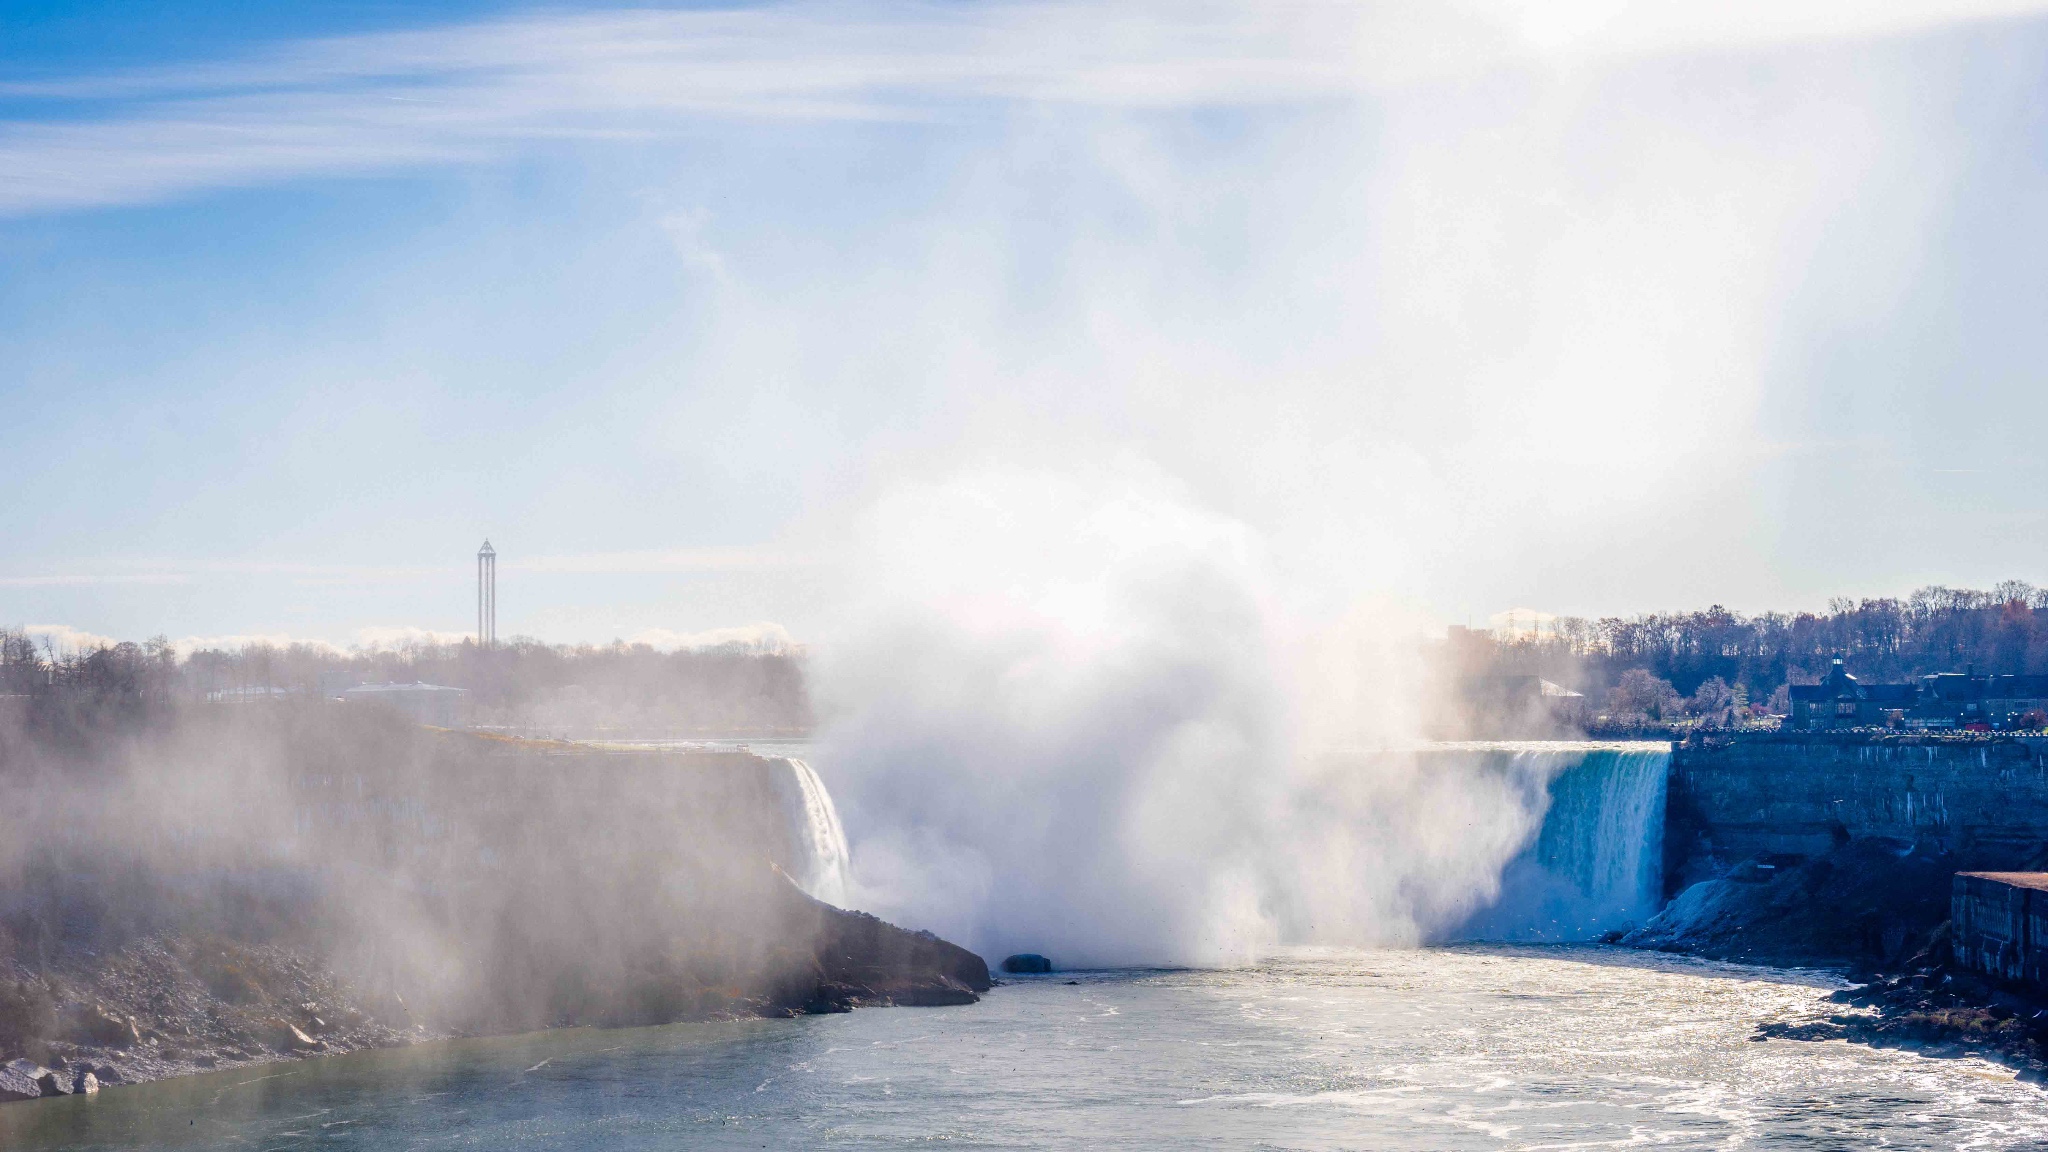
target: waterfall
1595 861
822 858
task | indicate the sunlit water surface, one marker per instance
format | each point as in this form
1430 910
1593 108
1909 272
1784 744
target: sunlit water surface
1476 1047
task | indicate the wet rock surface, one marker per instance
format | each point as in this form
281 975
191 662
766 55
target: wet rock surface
1937 1010
1877 909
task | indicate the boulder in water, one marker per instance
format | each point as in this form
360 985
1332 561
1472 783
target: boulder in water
1025 963
19 1080
84 1083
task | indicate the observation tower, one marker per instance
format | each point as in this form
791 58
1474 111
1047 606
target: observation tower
486 596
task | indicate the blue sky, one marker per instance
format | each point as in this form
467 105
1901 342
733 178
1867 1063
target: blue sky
1586 307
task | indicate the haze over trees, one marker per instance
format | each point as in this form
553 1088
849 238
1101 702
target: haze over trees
733 689
1659 666
1667 665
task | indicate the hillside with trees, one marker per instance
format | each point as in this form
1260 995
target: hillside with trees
1666 666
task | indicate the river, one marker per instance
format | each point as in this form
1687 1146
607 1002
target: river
1470 1047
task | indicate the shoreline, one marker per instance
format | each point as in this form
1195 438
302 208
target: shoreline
1937 1014
167 1006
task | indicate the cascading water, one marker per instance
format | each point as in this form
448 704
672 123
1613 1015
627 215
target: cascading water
1595 861
822 858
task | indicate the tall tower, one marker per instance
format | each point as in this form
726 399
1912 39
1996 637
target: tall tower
486 596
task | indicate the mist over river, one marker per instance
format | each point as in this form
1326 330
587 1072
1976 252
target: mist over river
1461 1047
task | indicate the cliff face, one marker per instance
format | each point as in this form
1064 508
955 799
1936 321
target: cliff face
246 885
1838 848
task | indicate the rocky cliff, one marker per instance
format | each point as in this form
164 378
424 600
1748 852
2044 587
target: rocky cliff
243 885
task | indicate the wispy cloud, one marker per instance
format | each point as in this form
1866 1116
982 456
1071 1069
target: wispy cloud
656 561
671 561
235 642
65 639
79 579
475 92
387 636
120 571
762 636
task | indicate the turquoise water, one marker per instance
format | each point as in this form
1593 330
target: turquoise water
1470 1047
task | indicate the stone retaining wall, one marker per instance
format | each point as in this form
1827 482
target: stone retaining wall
1983 801
2000 924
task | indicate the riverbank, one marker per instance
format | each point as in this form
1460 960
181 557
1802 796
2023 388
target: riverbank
189 888
1935 1010
1876 910
168 1005
1441 1048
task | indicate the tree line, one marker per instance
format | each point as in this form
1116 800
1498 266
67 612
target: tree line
1715 661
730 689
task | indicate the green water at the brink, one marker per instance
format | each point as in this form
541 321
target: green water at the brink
1477 1047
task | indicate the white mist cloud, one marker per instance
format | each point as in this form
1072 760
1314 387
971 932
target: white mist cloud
1207 434
1074 716
1058 717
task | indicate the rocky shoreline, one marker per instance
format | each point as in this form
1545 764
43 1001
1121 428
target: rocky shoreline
1877 911
1935 1012
169 1005
186 889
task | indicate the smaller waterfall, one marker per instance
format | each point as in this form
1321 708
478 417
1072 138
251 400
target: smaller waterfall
822 860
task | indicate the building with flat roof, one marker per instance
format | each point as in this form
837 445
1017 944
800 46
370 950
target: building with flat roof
435 704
